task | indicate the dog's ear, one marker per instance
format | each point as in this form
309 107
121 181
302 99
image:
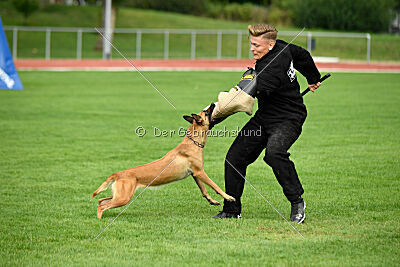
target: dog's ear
198 119
188 118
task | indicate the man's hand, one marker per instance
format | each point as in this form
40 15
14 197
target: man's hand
314 86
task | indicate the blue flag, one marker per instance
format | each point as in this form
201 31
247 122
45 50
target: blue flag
8 74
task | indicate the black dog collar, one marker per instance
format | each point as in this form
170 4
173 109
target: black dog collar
194 141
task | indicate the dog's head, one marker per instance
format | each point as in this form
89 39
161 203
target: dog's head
203 118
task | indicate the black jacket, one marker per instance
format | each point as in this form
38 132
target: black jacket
278 92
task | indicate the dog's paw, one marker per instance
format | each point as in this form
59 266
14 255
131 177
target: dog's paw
214 203
230 198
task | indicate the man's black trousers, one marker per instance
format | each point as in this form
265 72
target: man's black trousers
248 145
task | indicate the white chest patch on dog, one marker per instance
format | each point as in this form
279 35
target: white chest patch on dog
291 72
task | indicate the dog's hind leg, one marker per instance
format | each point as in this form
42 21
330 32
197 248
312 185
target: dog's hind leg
205 193
123 191
104 200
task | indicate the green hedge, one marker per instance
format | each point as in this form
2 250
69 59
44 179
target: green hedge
247 12
355 15
197 7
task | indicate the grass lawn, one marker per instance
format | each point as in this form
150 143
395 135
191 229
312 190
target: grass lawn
67 131
384 47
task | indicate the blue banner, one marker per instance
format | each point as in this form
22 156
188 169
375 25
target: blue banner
8 74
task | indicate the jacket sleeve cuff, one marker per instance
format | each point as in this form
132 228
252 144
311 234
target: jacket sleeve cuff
314 77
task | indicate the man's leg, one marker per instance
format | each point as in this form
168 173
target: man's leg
280 139
246 148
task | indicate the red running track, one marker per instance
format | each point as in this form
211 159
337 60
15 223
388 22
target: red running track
188 65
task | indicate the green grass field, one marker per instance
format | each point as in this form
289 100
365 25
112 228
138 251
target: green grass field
67 131
384 47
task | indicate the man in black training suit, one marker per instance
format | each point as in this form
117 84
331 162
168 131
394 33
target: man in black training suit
281 114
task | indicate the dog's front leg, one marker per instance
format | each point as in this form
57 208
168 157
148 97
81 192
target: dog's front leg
204 178
205 193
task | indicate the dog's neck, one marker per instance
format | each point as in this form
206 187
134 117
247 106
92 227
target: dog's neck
197 134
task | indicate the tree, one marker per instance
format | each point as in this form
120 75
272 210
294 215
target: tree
354 15
26 7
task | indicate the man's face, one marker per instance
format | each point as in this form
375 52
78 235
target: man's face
260 46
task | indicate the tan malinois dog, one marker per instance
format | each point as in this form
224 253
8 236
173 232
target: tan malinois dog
184 160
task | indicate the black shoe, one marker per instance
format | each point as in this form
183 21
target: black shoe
225 215
297 214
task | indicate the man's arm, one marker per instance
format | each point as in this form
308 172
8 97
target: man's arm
304 63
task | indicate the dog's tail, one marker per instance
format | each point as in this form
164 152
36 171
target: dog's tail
105 185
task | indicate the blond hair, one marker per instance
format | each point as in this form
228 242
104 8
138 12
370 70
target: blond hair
267 31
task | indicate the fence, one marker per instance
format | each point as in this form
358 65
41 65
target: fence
192 33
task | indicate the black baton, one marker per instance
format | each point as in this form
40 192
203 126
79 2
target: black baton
326 76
